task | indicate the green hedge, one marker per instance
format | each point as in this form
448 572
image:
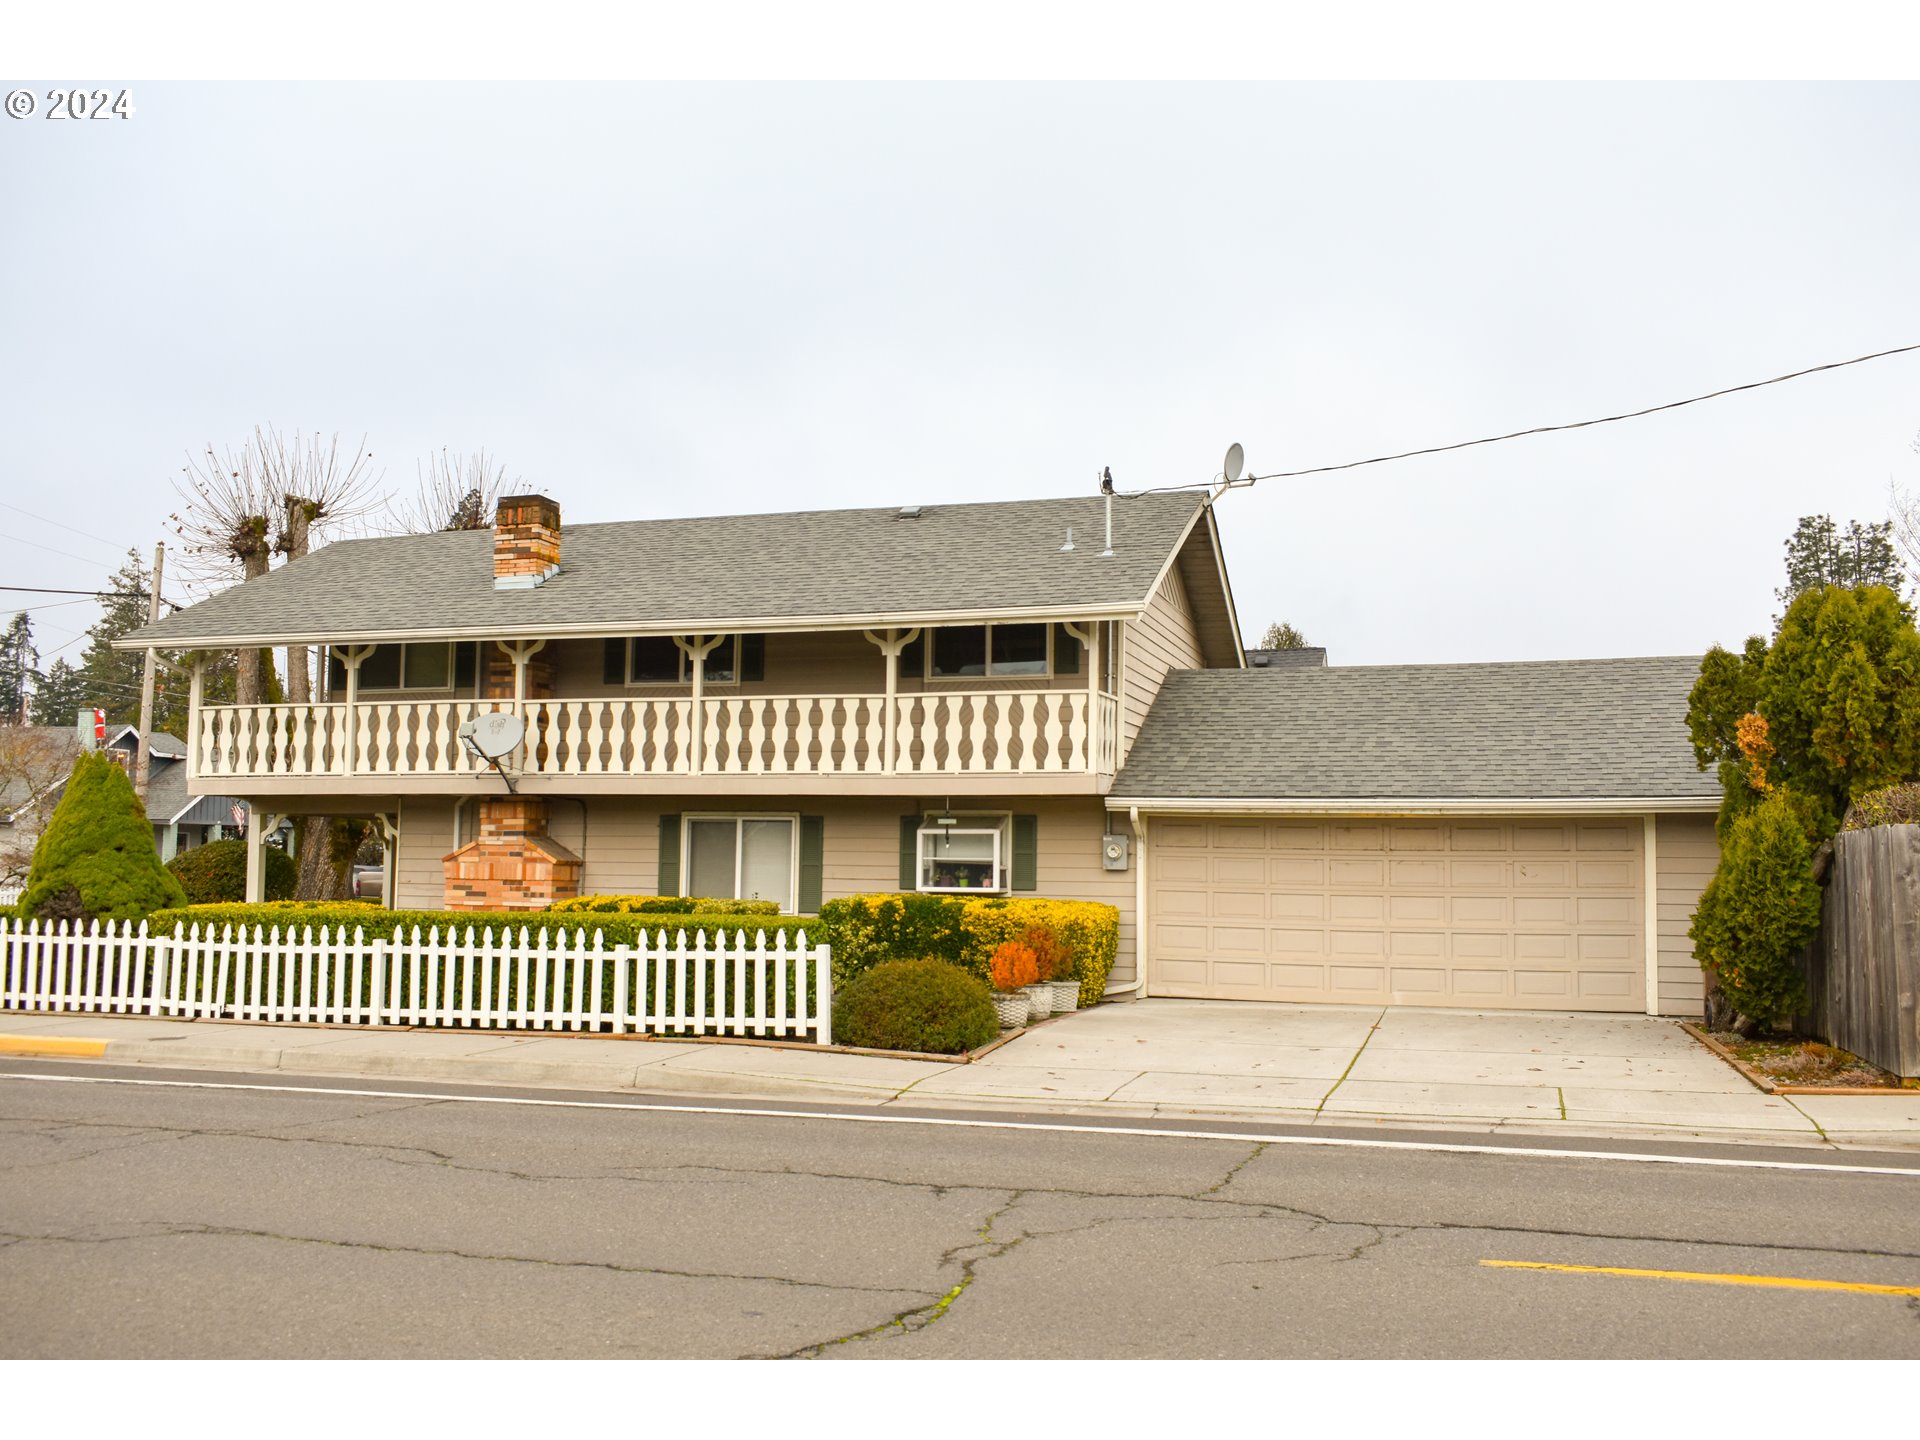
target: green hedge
618 929
661 905
869 930
216 873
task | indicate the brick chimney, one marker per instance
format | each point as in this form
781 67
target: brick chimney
512 864
526 541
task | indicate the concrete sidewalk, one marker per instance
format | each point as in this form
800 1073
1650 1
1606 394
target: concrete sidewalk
1593 1075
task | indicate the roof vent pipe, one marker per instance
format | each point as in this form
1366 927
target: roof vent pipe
1106 489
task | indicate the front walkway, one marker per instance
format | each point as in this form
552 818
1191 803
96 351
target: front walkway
1618 1075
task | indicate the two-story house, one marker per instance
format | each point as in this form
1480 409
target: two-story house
975 699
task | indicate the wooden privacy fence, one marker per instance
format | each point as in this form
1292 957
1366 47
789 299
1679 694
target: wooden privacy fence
1863 971
571 981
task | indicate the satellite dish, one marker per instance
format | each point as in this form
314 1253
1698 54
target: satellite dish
1236 463
495 735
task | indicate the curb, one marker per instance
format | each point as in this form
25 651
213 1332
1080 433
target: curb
67 1046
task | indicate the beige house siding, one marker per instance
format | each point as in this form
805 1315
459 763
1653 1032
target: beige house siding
1163 638
1685 854
861 856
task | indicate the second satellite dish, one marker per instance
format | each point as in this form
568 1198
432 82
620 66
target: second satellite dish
1236 462
494 735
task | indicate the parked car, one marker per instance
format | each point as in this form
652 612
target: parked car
369 882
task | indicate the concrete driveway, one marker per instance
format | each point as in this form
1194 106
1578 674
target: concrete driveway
1476 1069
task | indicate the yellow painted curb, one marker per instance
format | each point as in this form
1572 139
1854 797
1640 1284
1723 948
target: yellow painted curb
50 1045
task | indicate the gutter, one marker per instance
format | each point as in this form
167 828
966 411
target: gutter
1394 805
1138 987
550 630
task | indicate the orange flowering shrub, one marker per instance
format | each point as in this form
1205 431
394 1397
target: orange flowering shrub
1013 967
1051 955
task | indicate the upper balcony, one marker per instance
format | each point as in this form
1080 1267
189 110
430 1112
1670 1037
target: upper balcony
656 718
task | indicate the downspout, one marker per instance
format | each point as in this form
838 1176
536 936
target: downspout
1138 989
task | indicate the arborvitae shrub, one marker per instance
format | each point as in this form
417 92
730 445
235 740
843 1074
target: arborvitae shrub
925 1005
216 874
1760 908
99 843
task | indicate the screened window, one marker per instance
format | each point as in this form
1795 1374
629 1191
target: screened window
740 857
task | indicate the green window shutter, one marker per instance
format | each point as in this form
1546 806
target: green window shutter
613 662
813 857
1026 852
909 851
753 659
669 855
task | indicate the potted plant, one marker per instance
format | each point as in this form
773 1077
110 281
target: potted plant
1011 971
1054 957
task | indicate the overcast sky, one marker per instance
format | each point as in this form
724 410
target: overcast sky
683 299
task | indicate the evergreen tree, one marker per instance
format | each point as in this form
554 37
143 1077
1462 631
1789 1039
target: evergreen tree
1819 555
95 859
19 668
62 691
112 677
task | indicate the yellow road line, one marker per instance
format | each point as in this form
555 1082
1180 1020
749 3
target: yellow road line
1697 1277
50 1045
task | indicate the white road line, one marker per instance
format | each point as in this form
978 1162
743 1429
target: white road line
1335 1142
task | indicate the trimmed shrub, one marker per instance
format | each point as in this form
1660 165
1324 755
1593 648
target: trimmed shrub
98 846
217 873
1051 957
924 1005
1012 967
660 905
374 920
1090 930
867 930
1760 908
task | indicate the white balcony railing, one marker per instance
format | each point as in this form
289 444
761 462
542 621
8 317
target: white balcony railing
992 732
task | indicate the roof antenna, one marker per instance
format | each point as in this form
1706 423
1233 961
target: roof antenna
1106 489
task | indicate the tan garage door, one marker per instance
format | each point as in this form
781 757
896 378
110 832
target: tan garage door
1498 913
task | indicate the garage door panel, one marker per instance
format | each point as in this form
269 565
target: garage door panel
1517 912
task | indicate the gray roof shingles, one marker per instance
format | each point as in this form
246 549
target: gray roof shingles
658 574
1556 729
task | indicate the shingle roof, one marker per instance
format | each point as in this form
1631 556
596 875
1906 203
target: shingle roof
810 566
1556 729
1309 655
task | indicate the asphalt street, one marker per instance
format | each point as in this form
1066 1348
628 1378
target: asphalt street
189 1215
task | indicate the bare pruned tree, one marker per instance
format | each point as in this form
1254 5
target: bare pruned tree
454 492
225 527
1903 507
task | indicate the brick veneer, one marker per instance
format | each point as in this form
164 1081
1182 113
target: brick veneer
511 864
526 541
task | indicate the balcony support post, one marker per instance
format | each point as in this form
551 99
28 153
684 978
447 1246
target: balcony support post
259 825
1088 636
696 650
350 658
890 646
196 690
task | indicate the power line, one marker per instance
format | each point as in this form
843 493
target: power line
84 534
1546 429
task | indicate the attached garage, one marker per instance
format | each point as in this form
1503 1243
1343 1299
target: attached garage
1489 913
1520 836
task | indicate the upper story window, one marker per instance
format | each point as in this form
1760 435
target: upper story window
432 665
997 650
658 660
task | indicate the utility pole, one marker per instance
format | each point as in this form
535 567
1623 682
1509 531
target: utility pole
143 764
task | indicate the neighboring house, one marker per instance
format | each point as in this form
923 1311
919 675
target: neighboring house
1308 655
954 698
31 785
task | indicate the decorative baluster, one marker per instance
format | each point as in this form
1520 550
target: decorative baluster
1003 723
975 757
781 731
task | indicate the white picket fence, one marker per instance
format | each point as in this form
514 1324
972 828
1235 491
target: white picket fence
570 981
10 894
